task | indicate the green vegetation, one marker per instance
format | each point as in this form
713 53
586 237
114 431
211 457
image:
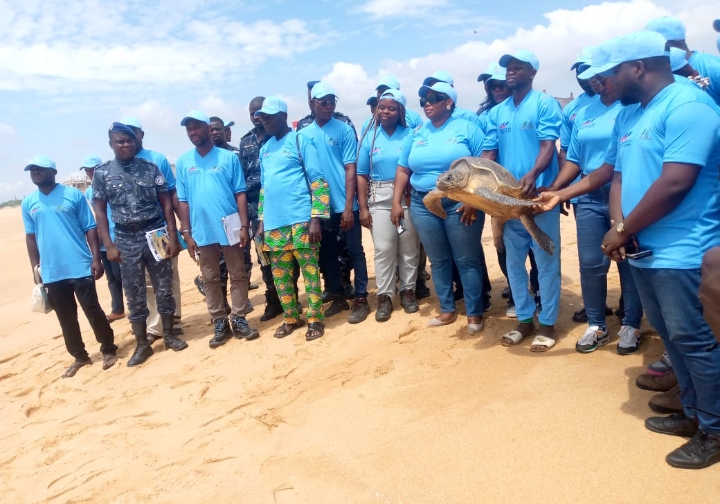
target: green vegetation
11 203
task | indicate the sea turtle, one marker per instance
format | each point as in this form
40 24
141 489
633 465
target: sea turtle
487 186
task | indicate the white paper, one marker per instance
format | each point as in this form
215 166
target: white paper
232 224
158 241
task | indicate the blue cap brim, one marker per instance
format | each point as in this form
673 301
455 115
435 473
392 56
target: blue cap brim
27 168
483 77
593 71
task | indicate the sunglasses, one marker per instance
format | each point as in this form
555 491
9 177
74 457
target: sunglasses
497 85
326 103
432 100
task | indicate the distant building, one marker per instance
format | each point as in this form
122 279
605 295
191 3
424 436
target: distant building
78 180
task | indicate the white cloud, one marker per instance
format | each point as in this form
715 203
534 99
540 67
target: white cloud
7 133
387 8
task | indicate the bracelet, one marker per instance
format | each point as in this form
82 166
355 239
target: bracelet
244 227
184 231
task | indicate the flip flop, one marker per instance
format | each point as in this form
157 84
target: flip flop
287 329
74 367
109 360
542 344
513 337
315 330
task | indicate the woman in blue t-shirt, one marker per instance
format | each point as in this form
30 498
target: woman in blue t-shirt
427 154
394 246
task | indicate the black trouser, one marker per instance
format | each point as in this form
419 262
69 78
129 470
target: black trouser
534 283
114 280
329 263
62 296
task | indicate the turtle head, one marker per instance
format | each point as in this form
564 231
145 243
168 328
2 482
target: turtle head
455 178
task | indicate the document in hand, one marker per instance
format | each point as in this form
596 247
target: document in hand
158 241
232 224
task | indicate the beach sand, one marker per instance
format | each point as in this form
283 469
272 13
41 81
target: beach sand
371 413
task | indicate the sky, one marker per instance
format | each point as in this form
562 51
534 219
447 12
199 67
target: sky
68 69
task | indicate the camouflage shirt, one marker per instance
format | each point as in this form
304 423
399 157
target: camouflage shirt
308 119
250 160
131 190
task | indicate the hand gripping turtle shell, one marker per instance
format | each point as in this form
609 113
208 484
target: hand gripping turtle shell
487 186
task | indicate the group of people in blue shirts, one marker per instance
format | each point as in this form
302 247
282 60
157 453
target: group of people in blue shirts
638 157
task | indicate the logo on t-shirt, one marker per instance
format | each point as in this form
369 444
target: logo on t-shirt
454 140
376 151
34 211
193 169
332 141
625 140
505 128
587 124
573 116
645 135
527 125
421 143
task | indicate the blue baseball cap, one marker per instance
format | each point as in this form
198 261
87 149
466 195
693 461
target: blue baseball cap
441 76
716 25
521 55
311 83
372 101
394 94
91 162
584 57
132 122
599 61
195 114
636 46
388 81
229 124
272 105
499 75
439 87
41 162
490 70
121 129
322 89
677 59
669 27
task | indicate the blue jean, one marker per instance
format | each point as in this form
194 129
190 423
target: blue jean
592 219
329 256
447 240
518 243
671 303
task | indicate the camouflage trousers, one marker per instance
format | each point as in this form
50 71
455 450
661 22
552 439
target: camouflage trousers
136 258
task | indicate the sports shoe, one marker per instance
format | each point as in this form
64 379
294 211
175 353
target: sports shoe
702 451
242 329
667 402
408 301
660 367
339 304
656 383
511 312
629 340
360 311
223 332
676 424
487 305
384 309
421 291
594 338
506 293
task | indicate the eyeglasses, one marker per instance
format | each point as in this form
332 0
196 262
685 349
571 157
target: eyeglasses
326 103
432 100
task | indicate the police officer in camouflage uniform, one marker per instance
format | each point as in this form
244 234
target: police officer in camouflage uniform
133 187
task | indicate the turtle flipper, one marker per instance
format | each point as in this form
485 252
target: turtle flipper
497 226
433 202
491 195
537 234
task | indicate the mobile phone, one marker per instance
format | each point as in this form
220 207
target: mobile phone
638 254
401 227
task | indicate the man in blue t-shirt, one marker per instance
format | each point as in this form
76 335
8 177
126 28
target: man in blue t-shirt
211 194
337 148
64 251
521 136
665 148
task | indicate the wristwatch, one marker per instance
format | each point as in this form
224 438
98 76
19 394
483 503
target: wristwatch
620 228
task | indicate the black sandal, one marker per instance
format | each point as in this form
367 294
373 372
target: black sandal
287 329
75 367
315 330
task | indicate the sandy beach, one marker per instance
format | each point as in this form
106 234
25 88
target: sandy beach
372 413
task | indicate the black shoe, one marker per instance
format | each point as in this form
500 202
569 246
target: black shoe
702 451
199 285
223 332
676 424
360 311
408 301
538 302
336 307
242 329
174 343
325 296
349 291
487 305
421 291
253 286
272 310
608 311
506 292
458 294
143 350
384 309
580 316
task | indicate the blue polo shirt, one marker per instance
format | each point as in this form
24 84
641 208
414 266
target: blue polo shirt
162 163
430 151
209 185
386 151
592 130
59 221
678 125
111 224
708 65
516 133
285 184
336 146
569 113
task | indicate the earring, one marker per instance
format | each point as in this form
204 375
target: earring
448 107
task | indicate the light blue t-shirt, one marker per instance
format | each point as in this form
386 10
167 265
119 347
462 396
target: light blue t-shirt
468 115
385 153
111 224
209 185
412 119
336 146
591 134
708 66
430 151
678 125
59 221
162 163
569 113
285 186
516 133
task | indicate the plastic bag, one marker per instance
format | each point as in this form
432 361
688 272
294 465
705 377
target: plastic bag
39 302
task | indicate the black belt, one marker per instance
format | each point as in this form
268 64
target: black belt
140 226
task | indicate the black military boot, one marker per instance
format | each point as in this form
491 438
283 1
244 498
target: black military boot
143 350
273 308
171 341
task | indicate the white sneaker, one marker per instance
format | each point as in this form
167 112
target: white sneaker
629 340
511 312
594 338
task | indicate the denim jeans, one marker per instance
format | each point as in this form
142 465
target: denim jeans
534 284
671 303
593 221
329 263
446 240
518 243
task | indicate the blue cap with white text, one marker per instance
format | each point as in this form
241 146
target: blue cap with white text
41 162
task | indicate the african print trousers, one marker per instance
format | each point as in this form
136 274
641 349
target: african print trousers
282 269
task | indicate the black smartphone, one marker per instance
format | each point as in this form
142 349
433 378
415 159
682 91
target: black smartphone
638 254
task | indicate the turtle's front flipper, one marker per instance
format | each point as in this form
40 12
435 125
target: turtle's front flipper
433 202
491 195
497 226
538 234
